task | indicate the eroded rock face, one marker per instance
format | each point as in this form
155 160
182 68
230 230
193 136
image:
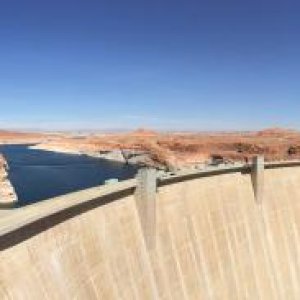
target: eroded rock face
173 150
8 196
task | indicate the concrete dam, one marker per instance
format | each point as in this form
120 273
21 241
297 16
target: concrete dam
225 233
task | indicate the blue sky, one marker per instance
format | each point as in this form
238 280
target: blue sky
162 64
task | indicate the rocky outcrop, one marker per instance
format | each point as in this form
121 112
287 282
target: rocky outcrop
115 155
179 149
8 196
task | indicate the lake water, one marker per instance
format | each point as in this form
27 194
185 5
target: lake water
39 174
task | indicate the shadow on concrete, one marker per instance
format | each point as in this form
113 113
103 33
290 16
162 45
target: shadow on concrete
21 234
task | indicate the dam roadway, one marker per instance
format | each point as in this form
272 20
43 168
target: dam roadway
226 233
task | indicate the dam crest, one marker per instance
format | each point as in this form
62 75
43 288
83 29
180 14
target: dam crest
223 233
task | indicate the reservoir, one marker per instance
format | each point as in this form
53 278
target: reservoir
37 174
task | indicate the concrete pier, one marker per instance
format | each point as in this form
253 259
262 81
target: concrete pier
145 196
258 168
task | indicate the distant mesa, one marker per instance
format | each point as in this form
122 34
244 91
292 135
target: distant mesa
143 132
277 132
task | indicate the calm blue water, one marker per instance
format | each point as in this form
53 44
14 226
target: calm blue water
38 174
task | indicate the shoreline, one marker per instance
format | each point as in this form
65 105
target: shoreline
128 156
115 155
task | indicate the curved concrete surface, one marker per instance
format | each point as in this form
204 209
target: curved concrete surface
212 241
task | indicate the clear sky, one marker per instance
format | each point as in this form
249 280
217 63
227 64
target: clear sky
162 64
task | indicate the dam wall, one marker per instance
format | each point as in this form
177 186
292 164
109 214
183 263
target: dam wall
211 240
